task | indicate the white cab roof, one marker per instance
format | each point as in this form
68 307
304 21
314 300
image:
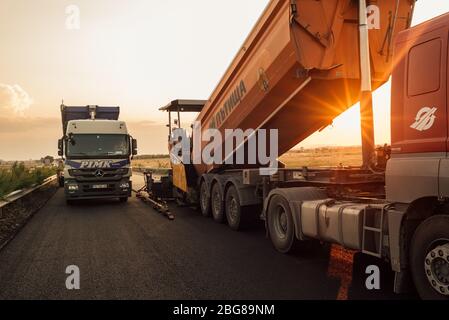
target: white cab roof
97 127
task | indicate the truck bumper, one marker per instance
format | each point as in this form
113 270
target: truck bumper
97 189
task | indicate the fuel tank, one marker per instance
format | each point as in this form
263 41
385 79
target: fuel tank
299 68
343 223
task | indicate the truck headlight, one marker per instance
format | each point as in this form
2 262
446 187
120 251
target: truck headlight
124 185
123 171
73 187
74 172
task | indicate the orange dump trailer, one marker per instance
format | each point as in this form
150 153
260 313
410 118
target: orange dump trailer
299 67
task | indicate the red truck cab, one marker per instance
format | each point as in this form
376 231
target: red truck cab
419 114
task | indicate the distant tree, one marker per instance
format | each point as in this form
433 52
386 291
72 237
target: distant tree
48 160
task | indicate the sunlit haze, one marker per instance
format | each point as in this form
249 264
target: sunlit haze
138 54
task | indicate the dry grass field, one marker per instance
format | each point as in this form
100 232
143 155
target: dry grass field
157 163
317 157
323 157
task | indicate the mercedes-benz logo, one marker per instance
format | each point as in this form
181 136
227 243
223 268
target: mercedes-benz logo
99 173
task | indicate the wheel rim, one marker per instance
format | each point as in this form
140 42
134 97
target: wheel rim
437 267
216 202
281 222
233 209
203 198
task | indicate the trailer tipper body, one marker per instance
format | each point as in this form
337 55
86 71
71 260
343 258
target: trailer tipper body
97 151
304 64
299 69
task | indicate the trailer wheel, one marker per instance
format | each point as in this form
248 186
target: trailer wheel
204 200
217 204
235 213
281 225
430 258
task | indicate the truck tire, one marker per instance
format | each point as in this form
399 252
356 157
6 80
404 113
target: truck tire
180 197
61 182
217 206
204 200
281 226
235 213
429 258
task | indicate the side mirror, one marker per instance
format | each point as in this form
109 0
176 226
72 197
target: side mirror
60 147
70 139
134 147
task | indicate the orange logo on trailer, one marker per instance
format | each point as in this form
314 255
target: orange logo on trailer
263 82
235 98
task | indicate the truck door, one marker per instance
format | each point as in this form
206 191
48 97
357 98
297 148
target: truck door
425 115
419 116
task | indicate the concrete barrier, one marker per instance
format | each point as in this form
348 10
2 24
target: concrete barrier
16 195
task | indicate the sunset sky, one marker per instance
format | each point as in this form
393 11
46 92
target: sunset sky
138 54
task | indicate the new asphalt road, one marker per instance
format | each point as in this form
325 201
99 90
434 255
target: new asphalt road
128 251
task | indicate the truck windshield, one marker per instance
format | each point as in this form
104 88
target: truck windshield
98 146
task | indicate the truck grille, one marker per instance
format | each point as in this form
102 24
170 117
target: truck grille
98 174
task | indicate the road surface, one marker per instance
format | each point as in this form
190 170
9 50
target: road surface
128 251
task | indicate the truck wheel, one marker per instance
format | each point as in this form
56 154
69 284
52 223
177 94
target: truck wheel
124 199
180 197
236 215
61 182
217 204
281 225
204 200
430 258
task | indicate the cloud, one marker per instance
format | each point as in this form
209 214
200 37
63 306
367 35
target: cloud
13 99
